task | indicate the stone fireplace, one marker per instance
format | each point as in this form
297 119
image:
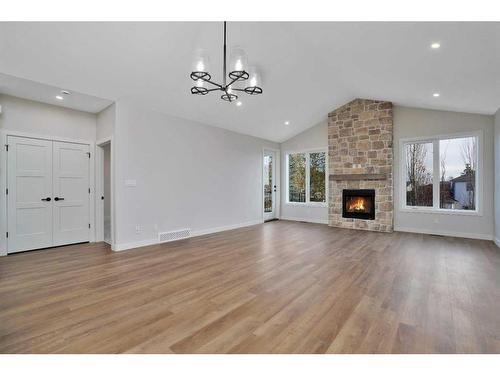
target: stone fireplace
361 166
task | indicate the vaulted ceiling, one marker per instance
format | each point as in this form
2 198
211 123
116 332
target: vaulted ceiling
308 69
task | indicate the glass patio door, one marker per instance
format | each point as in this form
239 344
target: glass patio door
269 185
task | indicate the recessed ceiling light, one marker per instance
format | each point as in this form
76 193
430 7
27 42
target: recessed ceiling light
287 122
436 94
435 45
239 104
65 92
59 97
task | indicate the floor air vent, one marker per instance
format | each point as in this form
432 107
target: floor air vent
174 235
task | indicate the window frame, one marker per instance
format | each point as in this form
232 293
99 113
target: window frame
307 203
435 209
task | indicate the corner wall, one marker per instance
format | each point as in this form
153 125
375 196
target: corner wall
417 122
47 120
312 138
106 123
186 175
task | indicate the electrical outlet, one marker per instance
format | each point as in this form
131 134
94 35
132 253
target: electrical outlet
137 229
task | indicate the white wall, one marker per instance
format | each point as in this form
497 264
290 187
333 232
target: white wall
414 122
187 175
313 138
497 177
106 123
46 120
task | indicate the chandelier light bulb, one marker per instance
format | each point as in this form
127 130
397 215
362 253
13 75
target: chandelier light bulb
238 65
254 77
254 83
201 64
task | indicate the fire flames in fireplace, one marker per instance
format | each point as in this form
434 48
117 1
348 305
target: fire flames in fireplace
356 204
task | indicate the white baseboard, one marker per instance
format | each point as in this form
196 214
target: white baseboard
475 236
307 220
497 241
133 245
224 228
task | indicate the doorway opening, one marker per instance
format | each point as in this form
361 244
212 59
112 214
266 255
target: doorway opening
105 197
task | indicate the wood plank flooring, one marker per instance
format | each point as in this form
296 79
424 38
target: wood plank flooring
280 287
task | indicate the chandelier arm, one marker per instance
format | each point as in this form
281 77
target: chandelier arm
215 89
220 87
242 90
233 81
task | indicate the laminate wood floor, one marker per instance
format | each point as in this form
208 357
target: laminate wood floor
280 287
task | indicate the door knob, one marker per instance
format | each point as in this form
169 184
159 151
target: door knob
58 199
46 199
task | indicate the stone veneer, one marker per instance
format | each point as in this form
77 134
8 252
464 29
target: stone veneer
360 142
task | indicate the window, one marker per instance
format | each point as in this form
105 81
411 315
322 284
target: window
317 177
297 177
442 173
306 177
419 174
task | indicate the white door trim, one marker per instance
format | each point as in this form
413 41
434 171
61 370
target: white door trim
3 180
277 180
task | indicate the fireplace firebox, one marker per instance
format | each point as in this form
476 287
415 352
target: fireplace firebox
358 204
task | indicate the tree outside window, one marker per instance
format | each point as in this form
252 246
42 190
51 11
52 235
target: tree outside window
297 177
455 175
306 177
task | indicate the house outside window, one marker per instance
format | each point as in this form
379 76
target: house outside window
442 174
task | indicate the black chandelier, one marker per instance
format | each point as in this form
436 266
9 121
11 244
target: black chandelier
239 73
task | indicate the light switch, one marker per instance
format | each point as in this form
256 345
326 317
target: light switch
130 183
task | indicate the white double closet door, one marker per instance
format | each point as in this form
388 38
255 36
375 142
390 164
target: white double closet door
48 193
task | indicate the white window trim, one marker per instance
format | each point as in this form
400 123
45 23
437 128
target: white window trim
307 203
435 180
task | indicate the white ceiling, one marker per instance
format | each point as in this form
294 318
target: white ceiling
308 68
24 88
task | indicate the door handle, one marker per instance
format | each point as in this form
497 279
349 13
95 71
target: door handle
46 199
58 199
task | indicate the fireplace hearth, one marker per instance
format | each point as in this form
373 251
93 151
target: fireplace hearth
358 204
